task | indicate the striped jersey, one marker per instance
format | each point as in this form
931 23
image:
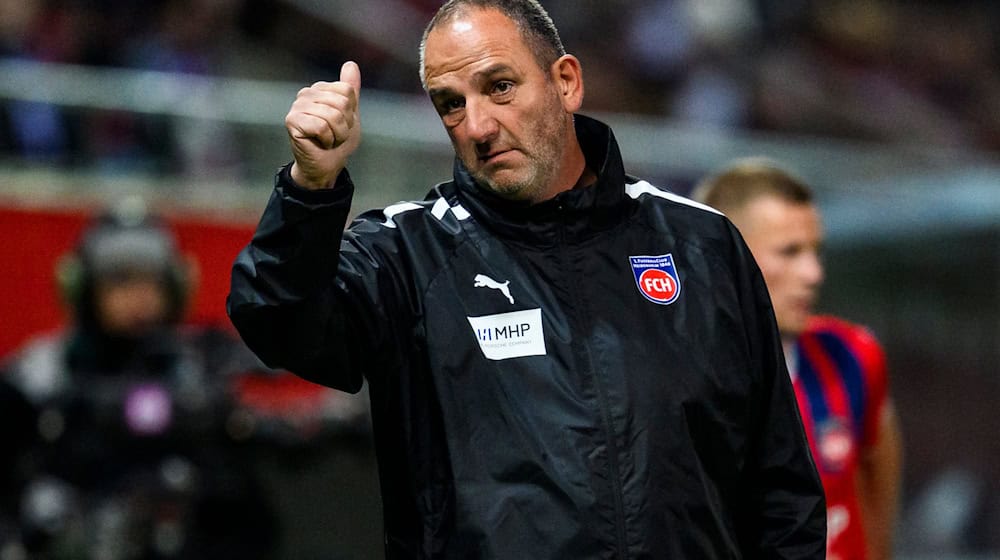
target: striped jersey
839 374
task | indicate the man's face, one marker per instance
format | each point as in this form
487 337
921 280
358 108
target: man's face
502 111
785 239
131 305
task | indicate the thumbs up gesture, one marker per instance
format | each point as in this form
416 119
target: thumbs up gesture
324 128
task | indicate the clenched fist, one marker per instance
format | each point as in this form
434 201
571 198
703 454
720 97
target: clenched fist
324 127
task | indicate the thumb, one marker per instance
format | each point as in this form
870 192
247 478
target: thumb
350 72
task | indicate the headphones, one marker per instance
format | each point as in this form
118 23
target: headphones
122 239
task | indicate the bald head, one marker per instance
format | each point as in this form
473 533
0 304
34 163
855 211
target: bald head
530 18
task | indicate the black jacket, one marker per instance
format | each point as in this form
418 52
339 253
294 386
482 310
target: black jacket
534 393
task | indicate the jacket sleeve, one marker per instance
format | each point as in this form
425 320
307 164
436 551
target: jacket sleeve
304 292
784 508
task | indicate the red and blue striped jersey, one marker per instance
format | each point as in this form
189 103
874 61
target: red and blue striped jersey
839 373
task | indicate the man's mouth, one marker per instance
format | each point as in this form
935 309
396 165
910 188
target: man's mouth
486 158
805 304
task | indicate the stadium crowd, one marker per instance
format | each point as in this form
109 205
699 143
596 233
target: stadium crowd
849 69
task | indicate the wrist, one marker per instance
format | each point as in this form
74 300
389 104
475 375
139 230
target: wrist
341 190
312 183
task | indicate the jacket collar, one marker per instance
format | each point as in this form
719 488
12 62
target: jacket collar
570 215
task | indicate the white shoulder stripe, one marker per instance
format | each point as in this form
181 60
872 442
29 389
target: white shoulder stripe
460 212
396 209
441 206
438 211
635 190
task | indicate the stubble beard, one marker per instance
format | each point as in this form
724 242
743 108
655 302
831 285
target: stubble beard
543 147
524 183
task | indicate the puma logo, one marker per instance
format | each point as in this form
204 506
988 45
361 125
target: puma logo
484 281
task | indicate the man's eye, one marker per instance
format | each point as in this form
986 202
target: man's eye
451 105
790 251
502 88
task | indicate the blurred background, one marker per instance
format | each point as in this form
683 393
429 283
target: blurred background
889 108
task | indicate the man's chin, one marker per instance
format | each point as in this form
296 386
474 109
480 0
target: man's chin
791 330
503 184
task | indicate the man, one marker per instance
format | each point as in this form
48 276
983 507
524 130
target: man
838 369
563 361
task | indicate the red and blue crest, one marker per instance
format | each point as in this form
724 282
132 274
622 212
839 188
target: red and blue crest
835 445
656 277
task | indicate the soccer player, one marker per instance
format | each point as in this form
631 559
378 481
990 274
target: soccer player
838 369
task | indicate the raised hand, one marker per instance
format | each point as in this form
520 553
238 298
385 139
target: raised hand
324 127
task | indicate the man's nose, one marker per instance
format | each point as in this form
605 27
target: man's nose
811 268
480 122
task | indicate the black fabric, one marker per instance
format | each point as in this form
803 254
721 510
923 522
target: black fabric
643 430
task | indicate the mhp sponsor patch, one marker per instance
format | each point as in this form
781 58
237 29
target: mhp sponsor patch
510 335
656 278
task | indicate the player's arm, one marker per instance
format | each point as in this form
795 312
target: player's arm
879 483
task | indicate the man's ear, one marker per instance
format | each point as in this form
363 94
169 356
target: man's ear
567 74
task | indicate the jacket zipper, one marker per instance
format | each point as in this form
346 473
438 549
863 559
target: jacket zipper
607 425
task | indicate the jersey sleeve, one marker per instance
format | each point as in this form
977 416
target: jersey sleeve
876 376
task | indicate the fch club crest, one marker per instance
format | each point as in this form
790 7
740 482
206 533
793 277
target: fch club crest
656 278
